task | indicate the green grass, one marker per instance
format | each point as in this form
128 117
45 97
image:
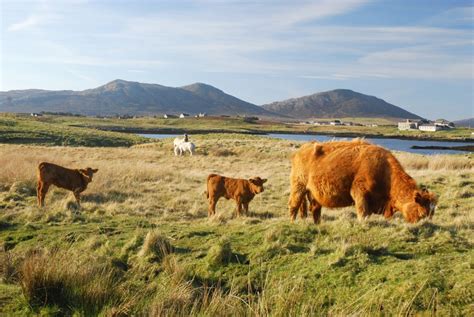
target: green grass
53 127
142 243
25 130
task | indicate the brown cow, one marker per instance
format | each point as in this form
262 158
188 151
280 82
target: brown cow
300 172
240 190
340 174
75 180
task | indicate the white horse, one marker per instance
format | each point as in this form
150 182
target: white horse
184 147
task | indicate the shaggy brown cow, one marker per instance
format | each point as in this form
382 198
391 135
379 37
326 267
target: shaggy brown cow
340 174
240 190
300 171
74 180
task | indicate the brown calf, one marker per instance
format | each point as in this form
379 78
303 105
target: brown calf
240 190
75 180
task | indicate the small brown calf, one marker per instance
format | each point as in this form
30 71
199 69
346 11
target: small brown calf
75 180
240 190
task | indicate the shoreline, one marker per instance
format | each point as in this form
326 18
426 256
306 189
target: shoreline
267 132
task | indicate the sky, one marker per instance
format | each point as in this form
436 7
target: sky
415 54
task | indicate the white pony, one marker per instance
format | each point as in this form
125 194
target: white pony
184 147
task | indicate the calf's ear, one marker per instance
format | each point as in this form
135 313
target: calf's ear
264 180
84 174
95 170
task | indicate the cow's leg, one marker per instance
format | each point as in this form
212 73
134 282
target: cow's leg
359 195
297 195
77 195
246 208
239 207
38 193
44 190
175 150
389 212
315 209
212 206
303 209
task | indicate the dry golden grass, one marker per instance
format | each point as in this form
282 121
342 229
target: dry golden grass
149 179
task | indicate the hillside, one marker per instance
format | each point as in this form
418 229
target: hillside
126 97
468 123
338 103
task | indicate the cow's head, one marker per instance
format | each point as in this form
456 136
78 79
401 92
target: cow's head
422 206
87 173
256 184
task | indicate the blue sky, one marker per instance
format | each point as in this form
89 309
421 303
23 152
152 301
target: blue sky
414 54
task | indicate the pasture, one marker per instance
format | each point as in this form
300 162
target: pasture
142 243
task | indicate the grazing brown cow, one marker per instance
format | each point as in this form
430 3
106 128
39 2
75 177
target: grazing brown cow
300 170
74 180
240 190
340 174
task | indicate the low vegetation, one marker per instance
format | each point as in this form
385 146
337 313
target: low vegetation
15 129
90 131
142 243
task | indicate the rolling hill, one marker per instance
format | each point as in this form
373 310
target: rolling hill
126 97
338 103
468 123
121 97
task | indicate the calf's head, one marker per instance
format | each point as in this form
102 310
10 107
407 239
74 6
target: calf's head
256 184
87 173
422 206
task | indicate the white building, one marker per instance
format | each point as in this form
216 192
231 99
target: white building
430 127
184 115
408 125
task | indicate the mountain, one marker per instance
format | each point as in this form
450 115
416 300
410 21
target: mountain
469 123
126 97
338 103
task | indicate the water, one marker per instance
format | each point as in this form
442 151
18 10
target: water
389 143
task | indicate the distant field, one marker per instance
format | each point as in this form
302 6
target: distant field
142 243
26 130
70 130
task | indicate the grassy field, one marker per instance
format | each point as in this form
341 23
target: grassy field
16 129
142 243
49 129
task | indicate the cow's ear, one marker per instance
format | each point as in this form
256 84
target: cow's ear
318 150
251 180
264 180
95 170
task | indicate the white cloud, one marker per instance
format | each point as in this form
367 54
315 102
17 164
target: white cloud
27 23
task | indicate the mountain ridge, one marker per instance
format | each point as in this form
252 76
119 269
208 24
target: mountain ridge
120 97
338 103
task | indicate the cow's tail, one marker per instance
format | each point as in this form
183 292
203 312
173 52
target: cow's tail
207 184
41 168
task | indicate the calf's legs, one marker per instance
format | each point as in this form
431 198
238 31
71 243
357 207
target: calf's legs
41 191
77 195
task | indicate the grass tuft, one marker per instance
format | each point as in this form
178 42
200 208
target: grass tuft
155 246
